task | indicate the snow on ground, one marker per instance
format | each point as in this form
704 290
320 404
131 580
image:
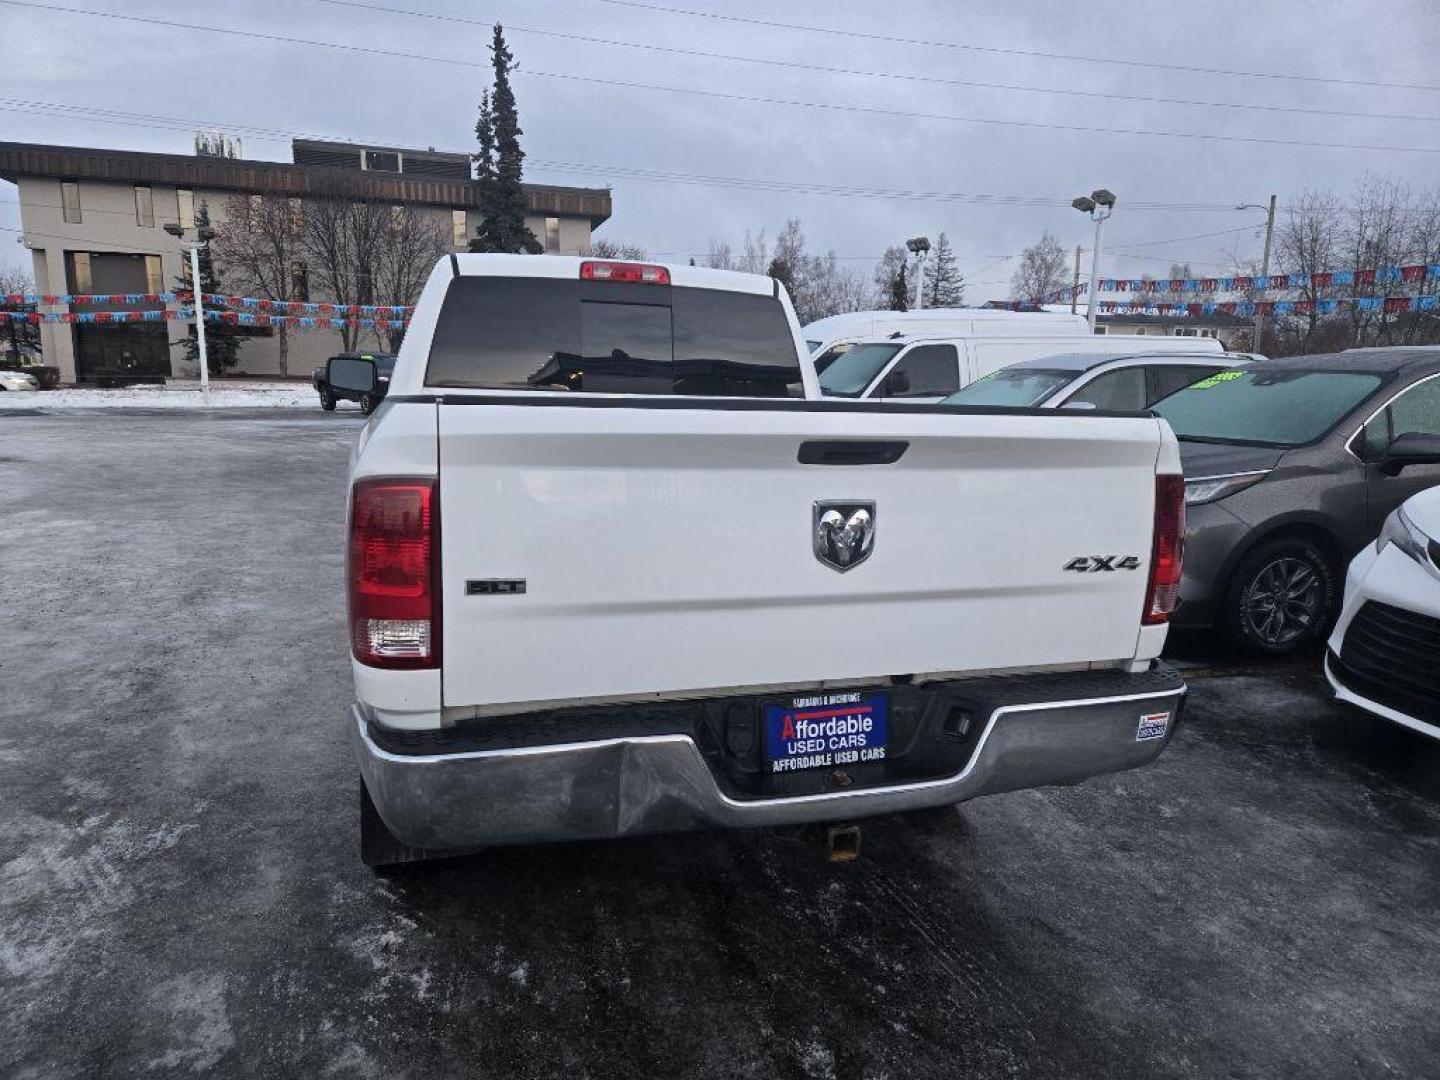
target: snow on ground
223 394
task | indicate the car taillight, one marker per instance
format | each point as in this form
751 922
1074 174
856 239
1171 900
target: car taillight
1166 550
642 273
393 572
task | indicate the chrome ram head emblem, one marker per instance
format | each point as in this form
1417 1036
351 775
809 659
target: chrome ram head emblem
844 533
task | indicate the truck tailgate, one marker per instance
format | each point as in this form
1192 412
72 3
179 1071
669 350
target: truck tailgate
670 549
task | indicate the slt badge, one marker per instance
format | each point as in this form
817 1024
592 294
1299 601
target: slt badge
844 533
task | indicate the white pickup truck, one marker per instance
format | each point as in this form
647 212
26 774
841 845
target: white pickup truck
614 569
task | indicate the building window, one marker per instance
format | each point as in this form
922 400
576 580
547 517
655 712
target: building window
459 229
186 203
380 161
80 280
70 200
299 280
552 235
144 207
297 217
1186 331
154 276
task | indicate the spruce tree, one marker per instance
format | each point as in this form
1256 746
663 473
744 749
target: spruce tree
944 284
222 340
500 163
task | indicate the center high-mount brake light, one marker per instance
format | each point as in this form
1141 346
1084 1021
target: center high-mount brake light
640 273
393 572
1166 551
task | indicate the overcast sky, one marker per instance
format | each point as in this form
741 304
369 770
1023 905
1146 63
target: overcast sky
603 132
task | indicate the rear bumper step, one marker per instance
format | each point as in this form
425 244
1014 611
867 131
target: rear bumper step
634 784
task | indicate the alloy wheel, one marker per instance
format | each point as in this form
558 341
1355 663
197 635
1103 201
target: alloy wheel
1283 601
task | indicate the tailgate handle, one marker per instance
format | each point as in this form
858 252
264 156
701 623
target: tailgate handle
838 452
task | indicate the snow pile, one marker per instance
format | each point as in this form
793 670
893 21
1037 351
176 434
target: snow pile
226 394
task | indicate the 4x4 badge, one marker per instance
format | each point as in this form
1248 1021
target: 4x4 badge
1093 564
844 533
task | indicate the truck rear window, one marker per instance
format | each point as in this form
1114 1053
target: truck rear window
513 333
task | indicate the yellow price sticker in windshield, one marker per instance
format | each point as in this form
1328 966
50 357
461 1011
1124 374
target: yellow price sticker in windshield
1216 379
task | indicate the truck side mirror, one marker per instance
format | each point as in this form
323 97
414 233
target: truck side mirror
1411 448
351 373
897 383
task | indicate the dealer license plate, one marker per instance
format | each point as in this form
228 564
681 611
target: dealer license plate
812 731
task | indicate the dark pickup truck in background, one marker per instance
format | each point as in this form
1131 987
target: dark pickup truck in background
359 377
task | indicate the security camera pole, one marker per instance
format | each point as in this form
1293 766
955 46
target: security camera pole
202 237
919 246
1099 204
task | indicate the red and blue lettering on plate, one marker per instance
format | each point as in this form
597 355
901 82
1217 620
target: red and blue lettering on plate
826 729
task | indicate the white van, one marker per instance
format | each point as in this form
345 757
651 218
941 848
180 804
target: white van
829 337
930 368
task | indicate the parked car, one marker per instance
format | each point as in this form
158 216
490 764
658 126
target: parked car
1384 654
18 380
359 377
606 578
46 376
831 336
1291 465
1091 381
932 368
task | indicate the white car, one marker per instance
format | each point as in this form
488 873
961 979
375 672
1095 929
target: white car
930 368
1384 654
1090 381
18 380
609 576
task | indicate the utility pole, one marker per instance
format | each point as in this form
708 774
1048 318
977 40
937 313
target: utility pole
1075 285
1265 272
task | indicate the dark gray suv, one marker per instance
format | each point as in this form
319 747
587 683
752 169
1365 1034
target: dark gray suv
1291 466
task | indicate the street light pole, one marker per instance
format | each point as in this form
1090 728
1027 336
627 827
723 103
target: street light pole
1099 204
919 246
1075 285
199 316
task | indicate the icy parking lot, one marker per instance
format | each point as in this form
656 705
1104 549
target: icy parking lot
222 394
180 891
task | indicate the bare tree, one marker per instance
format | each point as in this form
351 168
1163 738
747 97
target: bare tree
412 242
341 237
720 257
260 248
19 338
1041 270
605 248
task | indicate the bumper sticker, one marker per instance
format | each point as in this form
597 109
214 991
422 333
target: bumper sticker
1152 726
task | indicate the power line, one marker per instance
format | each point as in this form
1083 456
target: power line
868 73
145 120
727 96
1015 52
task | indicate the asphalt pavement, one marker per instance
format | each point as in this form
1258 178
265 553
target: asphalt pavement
180 891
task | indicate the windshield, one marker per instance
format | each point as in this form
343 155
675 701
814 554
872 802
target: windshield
828 357
851 372
1012 386
1269 408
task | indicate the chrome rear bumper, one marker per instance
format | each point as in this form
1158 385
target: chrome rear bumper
661 783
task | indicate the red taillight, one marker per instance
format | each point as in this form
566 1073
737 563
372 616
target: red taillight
393 571
642 273
1166 550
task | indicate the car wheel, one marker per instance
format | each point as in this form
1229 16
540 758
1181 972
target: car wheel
367 403
1282 598
327 400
